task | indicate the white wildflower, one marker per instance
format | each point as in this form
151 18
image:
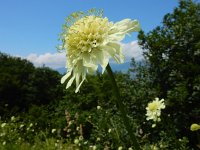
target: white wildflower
53 130
98 107
2 134
91 40
3 124
109 130
21 126
31 124
12 118
154 110
94 147
80 138
76 141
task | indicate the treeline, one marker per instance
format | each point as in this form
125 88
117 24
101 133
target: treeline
23 85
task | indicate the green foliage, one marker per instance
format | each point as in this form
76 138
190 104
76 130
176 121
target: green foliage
172 51
22 85
50 117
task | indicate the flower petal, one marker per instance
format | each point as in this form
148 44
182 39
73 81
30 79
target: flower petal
70 82
77 88
121 28
65 77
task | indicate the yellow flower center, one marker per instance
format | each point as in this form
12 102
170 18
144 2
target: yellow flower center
86 34
153 106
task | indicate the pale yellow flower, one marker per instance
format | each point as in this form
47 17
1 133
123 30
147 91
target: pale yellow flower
94 147
76 141
21 126
154 110
3 125
91 40
31 124
194 127
120 148
13 118
98 107
109 130
53 130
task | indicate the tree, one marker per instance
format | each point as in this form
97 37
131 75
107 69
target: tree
23 85
15 87
173 52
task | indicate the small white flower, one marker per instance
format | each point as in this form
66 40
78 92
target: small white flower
98 107
86 142
130 148
3 124
2 134
154 110
12 118
109 130
94 147
76 141
30 125
53 130
98 139
4 143
153 125
70 122
80 138
56 144
120 148
91 40
21 126
69 130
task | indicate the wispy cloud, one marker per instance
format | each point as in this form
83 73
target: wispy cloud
55 60
131 50
58 60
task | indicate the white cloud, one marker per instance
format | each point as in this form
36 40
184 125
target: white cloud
55 60
131 50
58 60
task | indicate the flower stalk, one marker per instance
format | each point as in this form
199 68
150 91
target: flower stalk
121 107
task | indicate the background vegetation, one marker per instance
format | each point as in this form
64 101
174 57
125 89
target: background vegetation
38 113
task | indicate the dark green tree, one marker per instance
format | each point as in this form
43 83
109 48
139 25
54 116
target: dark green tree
15 83
173 52
22 85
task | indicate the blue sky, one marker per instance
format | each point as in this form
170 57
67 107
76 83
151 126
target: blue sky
30 28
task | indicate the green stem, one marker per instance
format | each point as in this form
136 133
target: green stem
122 109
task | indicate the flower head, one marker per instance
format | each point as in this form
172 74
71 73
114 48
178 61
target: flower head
13 118
120 148
76 141
53 130
90 40
194 127
154 110
3 124
98 107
